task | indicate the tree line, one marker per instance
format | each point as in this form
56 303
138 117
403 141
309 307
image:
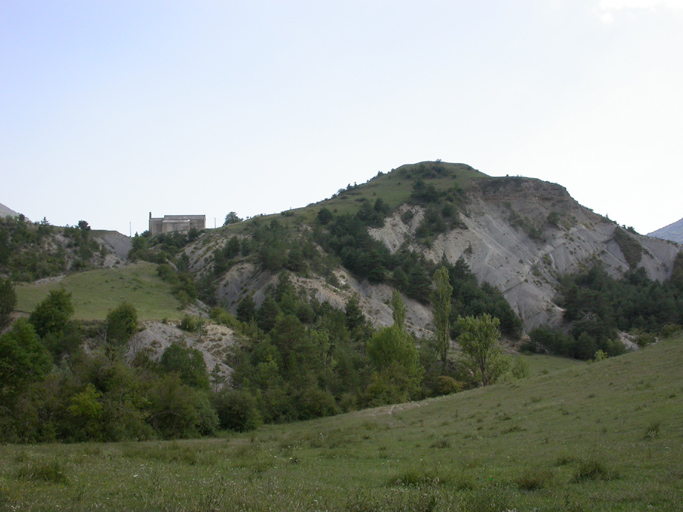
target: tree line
297 359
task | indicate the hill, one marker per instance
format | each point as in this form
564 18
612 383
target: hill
98 291
673 232
7 212
604 436
517 234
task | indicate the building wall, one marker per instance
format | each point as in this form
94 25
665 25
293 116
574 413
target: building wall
172 223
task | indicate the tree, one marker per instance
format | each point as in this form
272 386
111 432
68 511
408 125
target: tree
23 359
354 314
122 322
231 218
52 315
441 300
8 301
399 310
237 410
394 355
188 363
481 351
324 216
246 309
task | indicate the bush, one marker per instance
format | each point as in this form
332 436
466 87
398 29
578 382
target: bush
122 323
191 323
237 410
446 385
670 330
52 315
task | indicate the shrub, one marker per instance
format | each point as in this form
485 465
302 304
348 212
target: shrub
446 385
670 330
237 410
122 323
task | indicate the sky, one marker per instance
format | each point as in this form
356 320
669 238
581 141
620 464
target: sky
113 109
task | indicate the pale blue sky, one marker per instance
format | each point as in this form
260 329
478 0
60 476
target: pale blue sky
112 109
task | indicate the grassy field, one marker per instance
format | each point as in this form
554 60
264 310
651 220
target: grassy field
605 436
540 364
96 292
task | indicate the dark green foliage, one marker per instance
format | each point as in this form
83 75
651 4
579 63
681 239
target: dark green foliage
183 286
122 323
441 302
231 218
183 263
8 301
424 193
52 315
419 284
267 314
223 258
324 216
354 314
162 247
597 306
347 237
472 299
677 272
173 411
237 410
23 359
246 310
188 363
630 247
23 254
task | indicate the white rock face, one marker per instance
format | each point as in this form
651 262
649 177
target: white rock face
526 269
156 337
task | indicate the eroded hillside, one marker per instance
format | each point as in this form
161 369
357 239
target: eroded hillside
514 233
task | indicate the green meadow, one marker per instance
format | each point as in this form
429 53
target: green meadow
96 292
603 436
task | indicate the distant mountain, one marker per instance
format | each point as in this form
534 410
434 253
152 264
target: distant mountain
673 232
6 212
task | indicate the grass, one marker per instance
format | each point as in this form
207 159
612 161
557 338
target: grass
540 364
96 292
540 444
393 187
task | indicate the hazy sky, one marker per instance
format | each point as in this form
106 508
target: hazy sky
112 109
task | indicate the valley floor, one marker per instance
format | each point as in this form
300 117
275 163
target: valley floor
605 436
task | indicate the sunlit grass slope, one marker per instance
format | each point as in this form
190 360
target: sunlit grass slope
605 436
394 188
96 292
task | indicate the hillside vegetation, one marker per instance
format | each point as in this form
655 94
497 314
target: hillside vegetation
96 292
604 436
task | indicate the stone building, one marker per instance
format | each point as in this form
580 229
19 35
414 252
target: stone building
170 223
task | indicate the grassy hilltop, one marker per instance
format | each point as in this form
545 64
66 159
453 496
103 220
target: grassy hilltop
602 436
96 292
